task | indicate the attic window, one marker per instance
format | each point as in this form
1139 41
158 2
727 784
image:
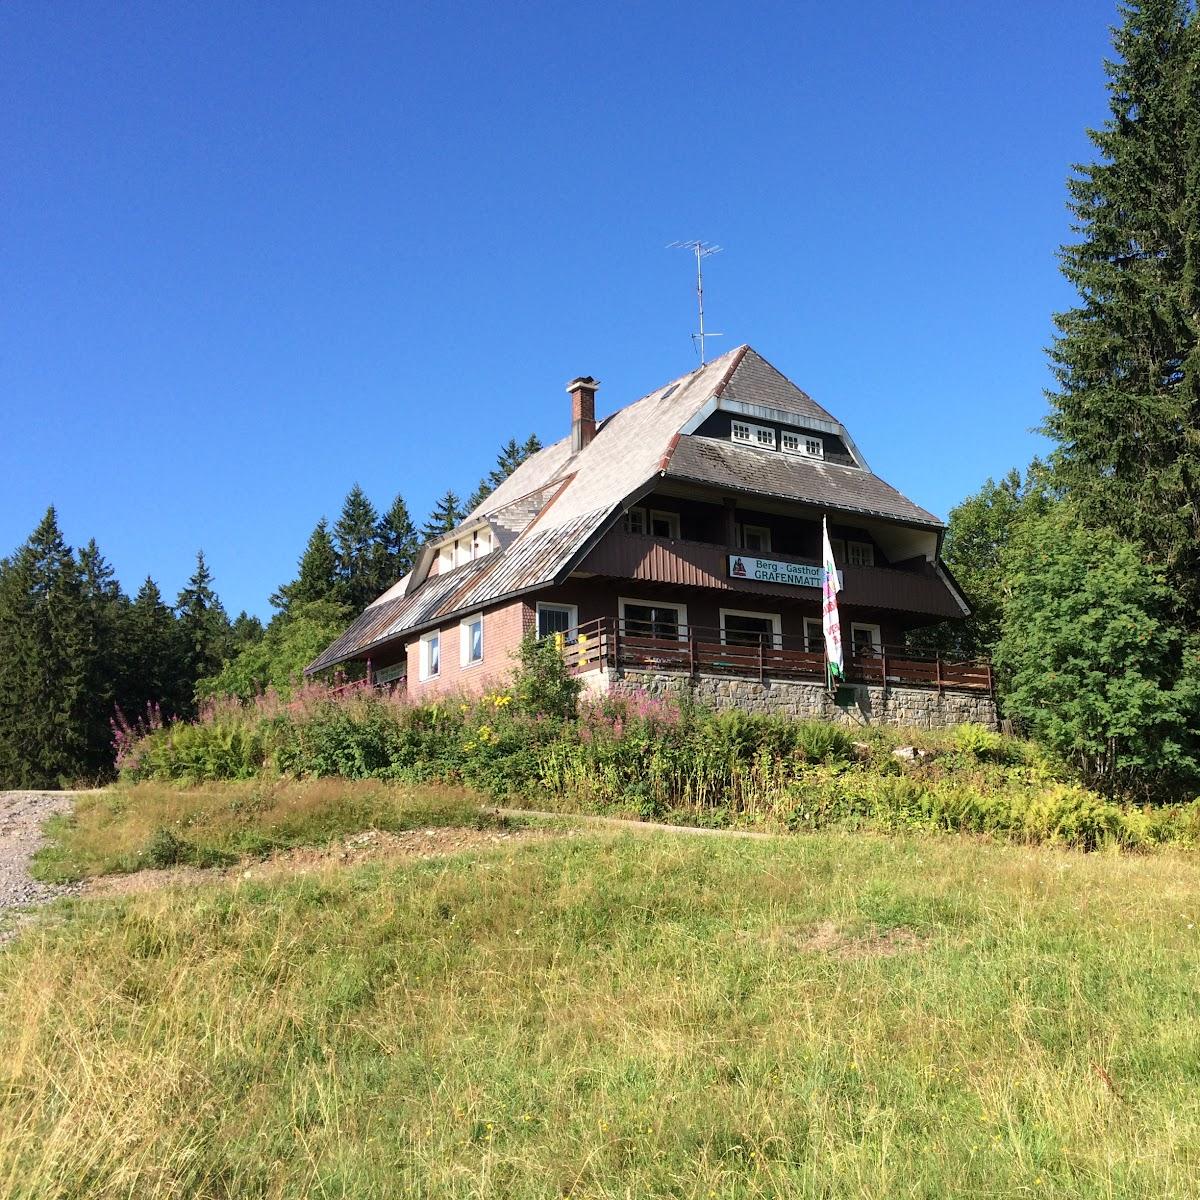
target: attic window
752 435
802 443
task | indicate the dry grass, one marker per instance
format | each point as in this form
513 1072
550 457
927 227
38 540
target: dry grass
162 825
619 1016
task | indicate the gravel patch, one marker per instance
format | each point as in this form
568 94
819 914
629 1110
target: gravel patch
21 817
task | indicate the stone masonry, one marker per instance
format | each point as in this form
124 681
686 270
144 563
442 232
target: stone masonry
919 708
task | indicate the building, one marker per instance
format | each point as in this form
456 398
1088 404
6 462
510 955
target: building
676 544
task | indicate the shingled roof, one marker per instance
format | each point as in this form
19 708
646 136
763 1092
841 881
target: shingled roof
552 509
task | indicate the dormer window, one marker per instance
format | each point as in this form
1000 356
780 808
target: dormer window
803 443
753 435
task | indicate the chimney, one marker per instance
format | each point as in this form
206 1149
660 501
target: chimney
583 411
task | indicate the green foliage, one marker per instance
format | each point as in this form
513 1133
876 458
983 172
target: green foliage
225 748
1126 413
543 684
511 456
204 629
979 531
977 741
290 643
1094 666
447 513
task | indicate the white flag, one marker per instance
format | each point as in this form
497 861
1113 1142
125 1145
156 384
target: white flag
831 624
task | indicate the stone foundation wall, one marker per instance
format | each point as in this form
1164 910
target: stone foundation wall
920 708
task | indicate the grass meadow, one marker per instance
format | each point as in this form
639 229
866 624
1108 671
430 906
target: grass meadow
619 1015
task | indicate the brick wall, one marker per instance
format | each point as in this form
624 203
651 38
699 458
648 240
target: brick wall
503 628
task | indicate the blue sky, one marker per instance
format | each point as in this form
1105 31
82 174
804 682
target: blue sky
253 254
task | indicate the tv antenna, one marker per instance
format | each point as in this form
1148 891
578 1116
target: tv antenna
701 250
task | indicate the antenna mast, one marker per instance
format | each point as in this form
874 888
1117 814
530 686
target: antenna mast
701 250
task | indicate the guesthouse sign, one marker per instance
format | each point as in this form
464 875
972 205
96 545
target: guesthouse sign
772 570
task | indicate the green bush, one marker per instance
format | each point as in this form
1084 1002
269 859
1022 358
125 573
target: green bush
977 741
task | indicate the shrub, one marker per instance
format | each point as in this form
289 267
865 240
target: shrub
977 741
542 684
820 741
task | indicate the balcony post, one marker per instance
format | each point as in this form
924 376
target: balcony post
691 653
617 642
883 669
938 664
760 657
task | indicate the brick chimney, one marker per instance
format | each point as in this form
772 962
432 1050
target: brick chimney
583 411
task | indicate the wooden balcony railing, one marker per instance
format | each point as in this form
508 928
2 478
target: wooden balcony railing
694 650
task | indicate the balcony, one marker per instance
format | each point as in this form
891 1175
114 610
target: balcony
613 643
912 589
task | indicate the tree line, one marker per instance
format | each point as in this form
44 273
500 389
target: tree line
76 650
1084 570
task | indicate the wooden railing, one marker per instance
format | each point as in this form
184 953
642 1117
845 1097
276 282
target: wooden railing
695 650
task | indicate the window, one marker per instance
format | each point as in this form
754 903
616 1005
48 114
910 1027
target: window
753 435
664 524
860 554
445 558
802 443
865 639
470 634
481 543
754 537
814 634
556 618
651 618
431 655
749 628
635 520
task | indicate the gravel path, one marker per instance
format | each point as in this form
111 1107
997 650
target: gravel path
21 818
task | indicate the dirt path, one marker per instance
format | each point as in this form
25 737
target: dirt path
22 815
357 848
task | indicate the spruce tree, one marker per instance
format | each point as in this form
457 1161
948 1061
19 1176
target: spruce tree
157 668
510 457
203 626
1126 413
356 536
398 542
318 574
445 516
105 611
44 663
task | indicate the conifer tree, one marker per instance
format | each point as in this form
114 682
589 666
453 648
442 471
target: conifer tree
398 542
318 576
445 516
510 457
203 625
44 666
105 611
157 672
1126 413
356 536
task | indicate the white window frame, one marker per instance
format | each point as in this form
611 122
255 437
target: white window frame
765 530
571 609
808 445
423 655
446 558
876 636
775 619
681 609
641 519
671 518
813 642
464 641
753 434
868 557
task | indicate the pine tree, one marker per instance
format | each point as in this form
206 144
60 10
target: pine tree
356 536
318 576
510 457
203 626
245 631
398 541
156 670
105 611
1126 412
445 516
44 663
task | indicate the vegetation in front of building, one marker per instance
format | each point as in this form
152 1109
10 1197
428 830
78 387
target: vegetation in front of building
651 1015
534 744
